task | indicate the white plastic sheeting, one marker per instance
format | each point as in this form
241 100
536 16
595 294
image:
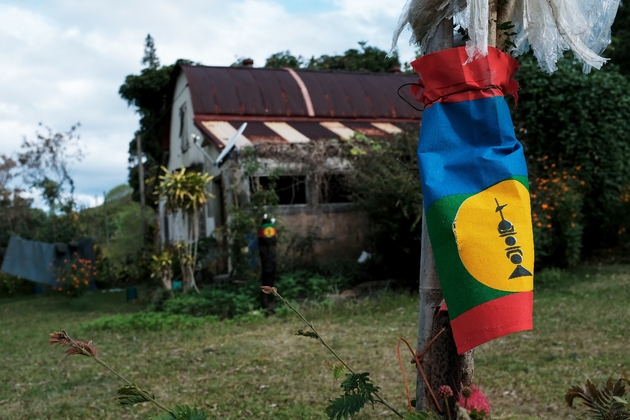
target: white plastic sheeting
548 27
424 16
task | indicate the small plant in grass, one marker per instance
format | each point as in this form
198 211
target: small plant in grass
358 388
608 402
162 268
130 393
145 321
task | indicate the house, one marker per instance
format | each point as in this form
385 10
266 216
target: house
284 109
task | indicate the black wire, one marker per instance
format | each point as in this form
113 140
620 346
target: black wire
443 96
463 91
405 166
401 97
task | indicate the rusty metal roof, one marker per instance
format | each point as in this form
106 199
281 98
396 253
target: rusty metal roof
221 93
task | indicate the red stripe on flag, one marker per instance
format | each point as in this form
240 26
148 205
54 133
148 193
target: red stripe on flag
446 77
493 319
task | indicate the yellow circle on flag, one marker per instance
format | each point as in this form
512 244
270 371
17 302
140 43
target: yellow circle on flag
269 232
493 231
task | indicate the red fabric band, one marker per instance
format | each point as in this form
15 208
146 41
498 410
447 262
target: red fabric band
445 78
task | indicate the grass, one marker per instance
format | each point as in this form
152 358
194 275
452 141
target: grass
258 368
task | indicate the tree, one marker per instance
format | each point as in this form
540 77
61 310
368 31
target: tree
366 58
148 93
284 59
17 217
150 58
45 161
619 50
45 165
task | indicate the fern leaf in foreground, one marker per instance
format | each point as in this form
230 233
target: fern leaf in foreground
345 406
309 334
358 389
360 384
129 395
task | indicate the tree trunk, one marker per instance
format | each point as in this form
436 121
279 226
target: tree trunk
441 363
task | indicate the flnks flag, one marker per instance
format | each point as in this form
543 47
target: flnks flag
267 237
476 194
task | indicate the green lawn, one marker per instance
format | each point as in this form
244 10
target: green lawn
257 368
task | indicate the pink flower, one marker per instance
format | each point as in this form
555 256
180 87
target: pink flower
476 401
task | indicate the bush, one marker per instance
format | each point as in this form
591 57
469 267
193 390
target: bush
574 129
223 302
307 285
147 321
14 286
235 300
391 197
550 276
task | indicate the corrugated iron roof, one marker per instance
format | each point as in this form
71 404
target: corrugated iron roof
281 94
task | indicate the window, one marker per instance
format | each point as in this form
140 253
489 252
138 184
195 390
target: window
334 189
290 189
183 133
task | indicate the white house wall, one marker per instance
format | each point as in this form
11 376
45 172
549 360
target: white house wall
187 155
183 153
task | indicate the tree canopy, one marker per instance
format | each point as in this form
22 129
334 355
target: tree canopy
619 50
366 58
148 93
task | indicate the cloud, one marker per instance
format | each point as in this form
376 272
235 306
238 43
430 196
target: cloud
64 60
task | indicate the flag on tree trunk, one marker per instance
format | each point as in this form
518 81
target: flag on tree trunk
476 194
267 237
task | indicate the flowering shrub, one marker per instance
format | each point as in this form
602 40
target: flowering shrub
74 276
474 402
557 213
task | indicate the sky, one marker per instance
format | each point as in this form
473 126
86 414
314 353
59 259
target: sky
63 61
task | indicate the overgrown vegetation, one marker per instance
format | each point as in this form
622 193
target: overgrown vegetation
233 300
573 126
386 188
